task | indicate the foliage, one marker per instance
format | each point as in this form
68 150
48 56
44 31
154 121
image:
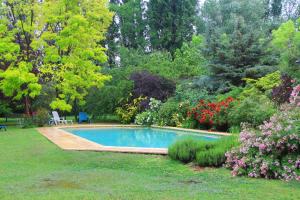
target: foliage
187 90
263 85
215 154
282 92
129 109
18 61
105 100
185 150
212 114
236 38
213 85
71 47
41 117
204 153
235 93
171 23
188 61
272 151
52 41
149 85
4 108
254 110
150 116
286 40
173 113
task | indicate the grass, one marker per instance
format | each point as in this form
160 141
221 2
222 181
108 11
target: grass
31 167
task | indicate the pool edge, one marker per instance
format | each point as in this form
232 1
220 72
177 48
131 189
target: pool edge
68 141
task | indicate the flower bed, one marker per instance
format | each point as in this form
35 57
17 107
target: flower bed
273 151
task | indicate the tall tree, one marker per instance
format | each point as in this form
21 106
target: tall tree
171 22
72 32
18 60
54 41
235 33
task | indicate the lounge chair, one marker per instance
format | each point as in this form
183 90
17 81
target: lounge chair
59 120
83 117
3 127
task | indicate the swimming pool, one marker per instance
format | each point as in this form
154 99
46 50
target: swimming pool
137 136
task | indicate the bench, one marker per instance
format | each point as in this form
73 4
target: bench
3 127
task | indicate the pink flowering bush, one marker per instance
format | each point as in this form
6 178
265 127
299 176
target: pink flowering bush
273 151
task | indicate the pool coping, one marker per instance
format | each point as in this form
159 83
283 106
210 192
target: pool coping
69 141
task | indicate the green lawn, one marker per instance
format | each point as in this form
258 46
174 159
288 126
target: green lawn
31 167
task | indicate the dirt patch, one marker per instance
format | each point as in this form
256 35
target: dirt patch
60 184
197 168
188 182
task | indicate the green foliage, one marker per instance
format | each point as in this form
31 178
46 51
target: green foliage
14 78
286 40
150 116
235 34
188 60
189 90
253 109
171 23
52 41
129 110
76 50
185 150
106 99
204 154
234 93
262 85
132 27
173 113
215 155
4 108
8 49
42 117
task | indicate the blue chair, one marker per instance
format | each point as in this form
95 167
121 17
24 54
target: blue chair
3 127
83 117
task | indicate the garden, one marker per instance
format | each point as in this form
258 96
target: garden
219 66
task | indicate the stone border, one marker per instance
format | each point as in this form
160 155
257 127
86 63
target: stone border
69 141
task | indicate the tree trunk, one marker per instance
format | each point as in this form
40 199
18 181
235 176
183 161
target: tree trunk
27 106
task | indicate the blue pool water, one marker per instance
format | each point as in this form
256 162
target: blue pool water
137 137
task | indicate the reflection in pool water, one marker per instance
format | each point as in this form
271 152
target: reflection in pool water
137 137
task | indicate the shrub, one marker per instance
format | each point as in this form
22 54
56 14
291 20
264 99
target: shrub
42 117
129 110
282 93
212 114
149 116
211 157
185 150
149 85
187 91
253 110
204 153
173 113
262 85
215 155
105 100
272 151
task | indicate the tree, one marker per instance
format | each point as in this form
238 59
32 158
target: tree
72 32
236 35
171 22
18 61
286 40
